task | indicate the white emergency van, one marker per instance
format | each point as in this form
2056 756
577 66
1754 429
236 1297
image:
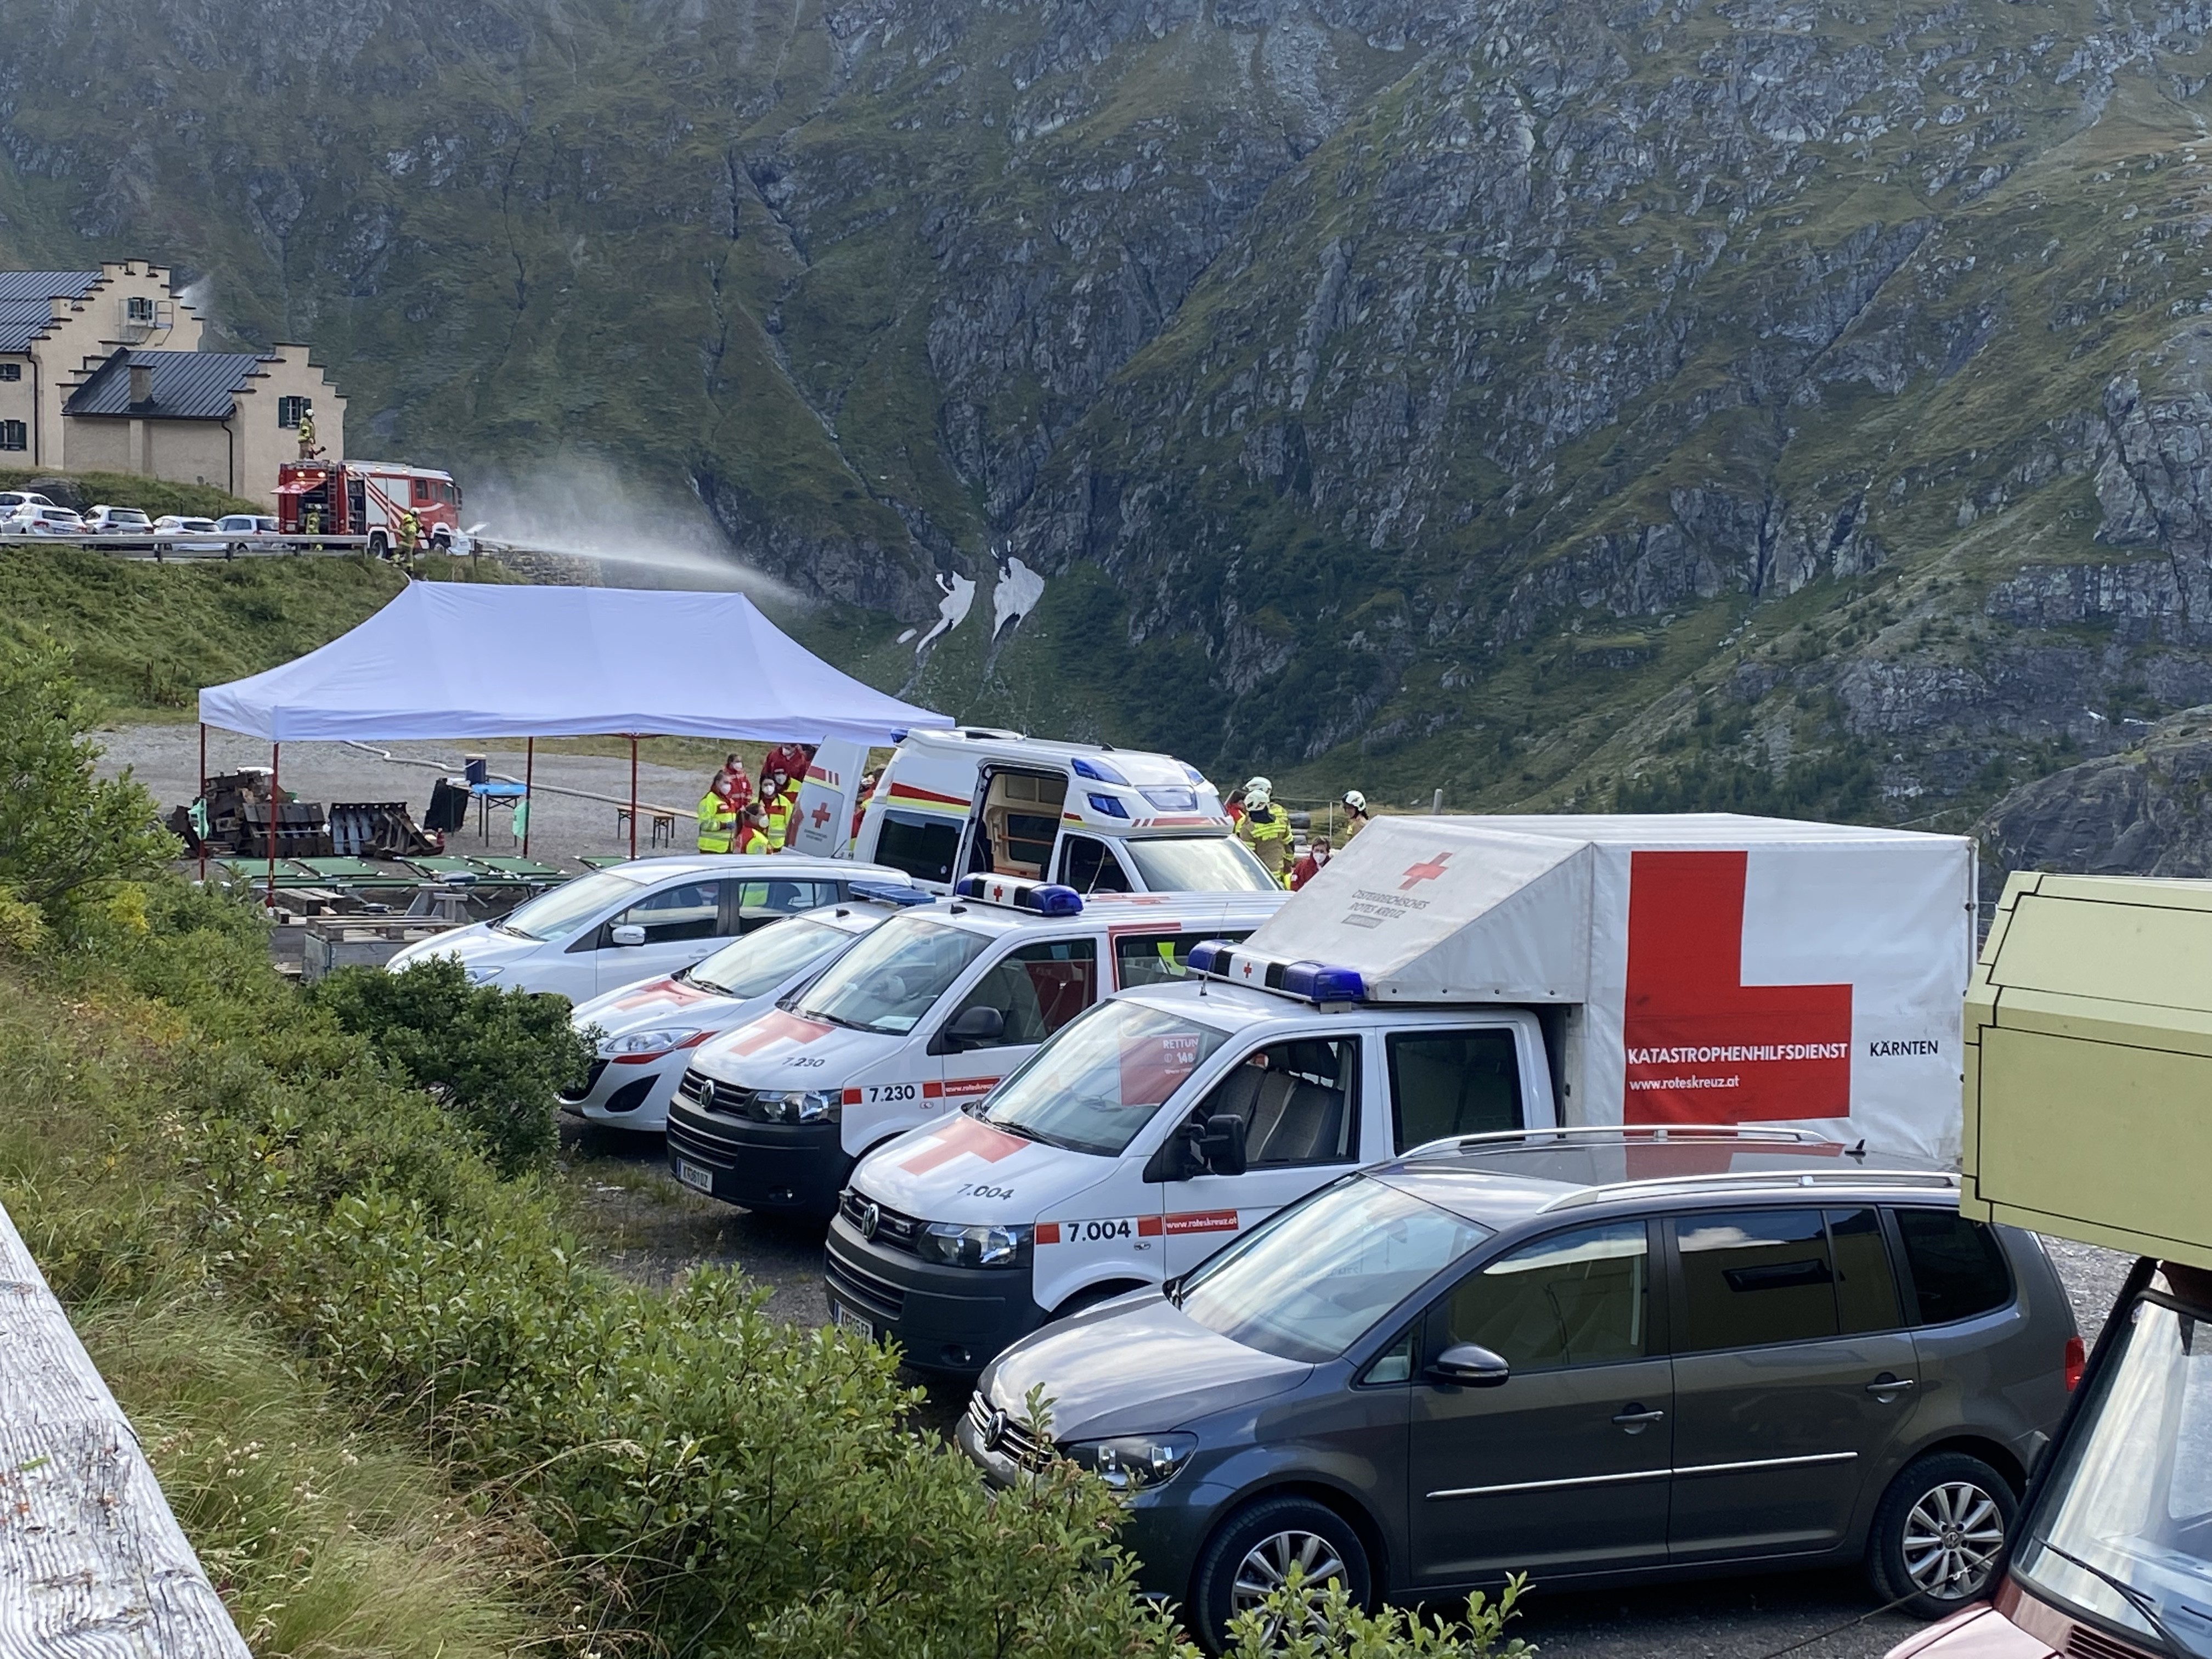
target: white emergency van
1442 977
927 1012
644 1034
978 802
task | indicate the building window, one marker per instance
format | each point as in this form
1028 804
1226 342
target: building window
138 308
11 371
290 410
13 434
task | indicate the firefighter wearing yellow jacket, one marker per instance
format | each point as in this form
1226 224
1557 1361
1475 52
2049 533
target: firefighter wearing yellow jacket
1265 829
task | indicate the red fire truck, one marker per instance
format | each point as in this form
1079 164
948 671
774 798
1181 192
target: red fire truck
366 498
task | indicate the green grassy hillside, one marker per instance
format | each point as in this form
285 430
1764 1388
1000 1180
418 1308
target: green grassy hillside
146 637
153 496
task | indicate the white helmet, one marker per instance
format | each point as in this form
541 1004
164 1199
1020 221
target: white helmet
1257 798
1355 801
1259 786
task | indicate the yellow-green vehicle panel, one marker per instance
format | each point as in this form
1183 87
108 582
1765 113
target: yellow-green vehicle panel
2089 1064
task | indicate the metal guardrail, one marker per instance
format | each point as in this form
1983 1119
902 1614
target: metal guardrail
183 545
91 1559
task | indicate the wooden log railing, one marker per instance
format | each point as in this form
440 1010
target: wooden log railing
93 1566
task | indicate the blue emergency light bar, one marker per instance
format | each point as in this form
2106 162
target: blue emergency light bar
1308 981
1097 772
890 892
1045 898
1106 807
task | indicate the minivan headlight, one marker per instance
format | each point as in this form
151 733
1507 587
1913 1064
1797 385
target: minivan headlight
1133 1462
984 1245
651 1045
477 975
799 1106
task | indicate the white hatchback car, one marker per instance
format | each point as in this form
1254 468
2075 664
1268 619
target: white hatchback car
646 1032
650 916
45 521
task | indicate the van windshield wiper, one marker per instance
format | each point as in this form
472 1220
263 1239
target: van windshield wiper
2133 1597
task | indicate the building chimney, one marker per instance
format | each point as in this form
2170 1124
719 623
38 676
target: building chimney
141 384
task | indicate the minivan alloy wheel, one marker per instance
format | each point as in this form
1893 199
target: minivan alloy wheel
1952 1538
1267 1563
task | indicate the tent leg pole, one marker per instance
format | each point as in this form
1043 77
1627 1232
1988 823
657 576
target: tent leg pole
275 750
529 776
632 797
203 839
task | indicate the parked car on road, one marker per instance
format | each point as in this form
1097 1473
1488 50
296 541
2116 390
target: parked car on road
646 1032
189 526
104 520
12 499
245 523
1592 1355
44 520
650 916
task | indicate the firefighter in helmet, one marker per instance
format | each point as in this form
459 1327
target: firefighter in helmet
1356 816
307 450
411 535
1265 829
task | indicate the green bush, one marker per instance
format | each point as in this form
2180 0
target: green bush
494 1059
66 836
1298 1620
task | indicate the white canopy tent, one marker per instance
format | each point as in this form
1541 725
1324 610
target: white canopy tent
447 659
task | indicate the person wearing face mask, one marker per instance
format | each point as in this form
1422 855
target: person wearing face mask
776 792
1310 862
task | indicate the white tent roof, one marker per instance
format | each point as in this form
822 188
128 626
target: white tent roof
455 660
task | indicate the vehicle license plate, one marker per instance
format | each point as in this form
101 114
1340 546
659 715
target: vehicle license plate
845 1319
692 1174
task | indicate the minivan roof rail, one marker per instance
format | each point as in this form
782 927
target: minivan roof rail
1639 1133
1731 1180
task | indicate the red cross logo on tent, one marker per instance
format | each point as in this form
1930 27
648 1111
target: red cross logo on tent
1429 871
820 814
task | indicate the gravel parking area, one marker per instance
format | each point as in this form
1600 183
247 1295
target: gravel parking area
562 827
650 1228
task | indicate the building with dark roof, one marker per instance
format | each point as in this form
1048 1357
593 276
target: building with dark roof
102 371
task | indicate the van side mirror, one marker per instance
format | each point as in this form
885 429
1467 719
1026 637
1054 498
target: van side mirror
973 1028
1471 1365
1222 1145
628 933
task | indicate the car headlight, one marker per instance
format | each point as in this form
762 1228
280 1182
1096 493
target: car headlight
1133 1462
985 1245
650 1045
799 1106
479 975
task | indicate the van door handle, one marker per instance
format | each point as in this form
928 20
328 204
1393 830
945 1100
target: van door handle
1888 1384
1633 1418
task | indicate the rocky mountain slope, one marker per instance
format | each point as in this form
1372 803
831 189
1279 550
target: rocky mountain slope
1788 403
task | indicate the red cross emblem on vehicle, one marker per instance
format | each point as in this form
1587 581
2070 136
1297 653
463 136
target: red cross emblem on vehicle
998 891
1248 969
820 814
1429 870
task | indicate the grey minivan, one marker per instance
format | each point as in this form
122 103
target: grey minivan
1596 1355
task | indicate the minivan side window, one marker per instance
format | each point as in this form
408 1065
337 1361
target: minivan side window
760 903
1161 958
1958 1266
1299 1102
691 911
1452 1083
1088 865
921 846
1753 1277
1574 1298
1039 988
1866 1290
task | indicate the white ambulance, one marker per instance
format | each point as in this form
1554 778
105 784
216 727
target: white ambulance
927 1012
973 801
1442 977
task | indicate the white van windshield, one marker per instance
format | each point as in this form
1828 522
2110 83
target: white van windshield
762 960
891 979
1315 1278
556 914
1099 1079
1199 864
